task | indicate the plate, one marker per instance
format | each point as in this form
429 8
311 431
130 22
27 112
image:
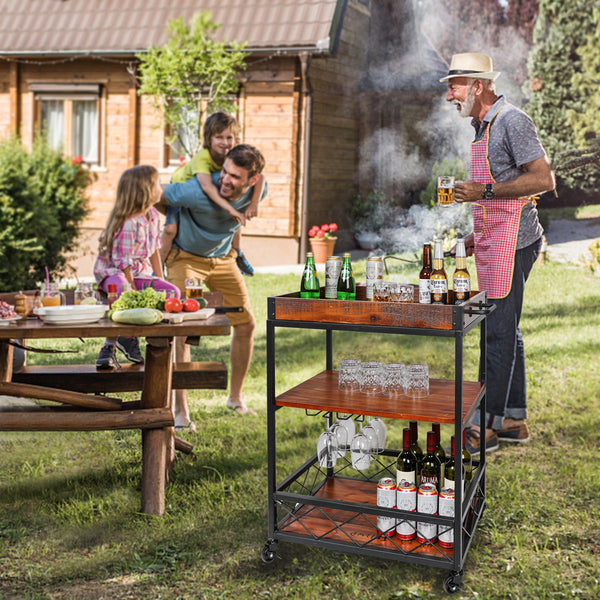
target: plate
198 315
71 315
4 322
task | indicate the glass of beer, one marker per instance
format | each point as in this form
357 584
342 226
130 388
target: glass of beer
194 288
445 191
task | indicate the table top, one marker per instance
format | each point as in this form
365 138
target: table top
34 328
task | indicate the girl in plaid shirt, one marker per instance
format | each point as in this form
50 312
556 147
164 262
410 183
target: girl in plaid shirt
129 250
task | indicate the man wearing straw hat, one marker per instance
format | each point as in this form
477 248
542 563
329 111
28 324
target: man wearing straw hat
508 168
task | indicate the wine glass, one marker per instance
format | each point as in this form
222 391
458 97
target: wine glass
381 430
348 423
341 434
327 449
371 434
360 451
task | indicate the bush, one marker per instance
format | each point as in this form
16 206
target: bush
42 205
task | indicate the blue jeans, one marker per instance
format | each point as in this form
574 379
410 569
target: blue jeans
506 393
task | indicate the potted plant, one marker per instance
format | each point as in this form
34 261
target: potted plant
322 240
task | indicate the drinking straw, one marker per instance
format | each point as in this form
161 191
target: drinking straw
47 282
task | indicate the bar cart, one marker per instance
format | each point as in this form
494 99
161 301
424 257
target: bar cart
336 507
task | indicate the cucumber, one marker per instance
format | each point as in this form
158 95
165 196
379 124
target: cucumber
137 316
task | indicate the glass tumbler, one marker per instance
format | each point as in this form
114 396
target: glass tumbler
417 381
371 377
349 375
393 378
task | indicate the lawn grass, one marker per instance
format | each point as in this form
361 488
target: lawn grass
70 526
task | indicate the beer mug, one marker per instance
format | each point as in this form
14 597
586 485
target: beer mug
194 288
445 191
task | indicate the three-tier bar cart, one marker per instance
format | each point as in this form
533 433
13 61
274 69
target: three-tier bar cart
336 507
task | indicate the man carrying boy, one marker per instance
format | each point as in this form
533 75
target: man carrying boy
203 248
220 133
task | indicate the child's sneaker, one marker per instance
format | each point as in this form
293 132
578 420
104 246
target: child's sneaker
130 347
107 359
243 265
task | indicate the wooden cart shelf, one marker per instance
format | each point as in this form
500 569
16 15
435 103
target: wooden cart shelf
351 526
320 393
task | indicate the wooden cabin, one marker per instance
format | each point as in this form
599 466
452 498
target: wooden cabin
72 63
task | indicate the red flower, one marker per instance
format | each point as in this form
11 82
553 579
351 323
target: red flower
325 231
77 160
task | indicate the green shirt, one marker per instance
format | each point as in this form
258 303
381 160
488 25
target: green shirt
201 162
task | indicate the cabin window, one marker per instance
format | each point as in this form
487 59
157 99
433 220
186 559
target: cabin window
69 116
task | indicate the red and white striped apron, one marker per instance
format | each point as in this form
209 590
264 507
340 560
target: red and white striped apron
495 227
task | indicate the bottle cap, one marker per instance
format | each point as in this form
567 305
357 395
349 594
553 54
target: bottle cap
111 288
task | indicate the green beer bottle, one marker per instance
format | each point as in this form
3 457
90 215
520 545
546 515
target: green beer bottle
346 289
309 286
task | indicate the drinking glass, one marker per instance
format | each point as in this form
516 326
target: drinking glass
347 423
51 295
194 287
394 374
349 375
380 291
85 294
381 430
327 449
445 190
341 434
417 381
360 451
371 377
373 438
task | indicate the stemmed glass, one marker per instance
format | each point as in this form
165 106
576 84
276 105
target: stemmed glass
360 450
327 449
381 431
341 434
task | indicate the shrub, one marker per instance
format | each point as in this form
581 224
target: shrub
42 205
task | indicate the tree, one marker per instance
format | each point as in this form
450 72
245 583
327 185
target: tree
42 204
557 81
190 76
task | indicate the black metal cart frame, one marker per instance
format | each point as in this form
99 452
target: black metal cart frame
297 500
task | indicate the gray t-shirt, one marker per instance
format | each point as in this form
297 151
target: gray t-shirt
513 142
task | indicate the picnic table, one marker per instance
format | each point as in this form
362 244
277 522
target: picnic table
87 412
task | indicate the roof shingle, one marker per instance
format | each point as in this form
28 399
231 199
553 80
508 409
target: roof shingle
59 26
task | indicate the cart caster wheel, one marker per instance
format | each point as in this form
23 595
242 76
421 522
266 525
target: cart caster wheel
268 553
451 585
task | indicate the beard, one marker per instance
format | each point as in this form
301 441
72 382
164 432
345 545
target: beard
466 106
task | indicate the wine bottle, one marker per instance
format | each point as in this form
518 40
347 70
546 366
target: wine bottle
439 280
415 447
467 460
431 469
450 469
461 280
346 288
439 449
406 465
309 285
425 276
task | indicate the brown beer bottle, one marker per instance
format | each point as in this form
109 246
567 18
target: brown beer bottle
461 280
425 276
439 280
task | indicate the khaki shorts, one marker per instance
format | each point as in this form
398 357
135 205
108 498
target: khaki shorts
219 274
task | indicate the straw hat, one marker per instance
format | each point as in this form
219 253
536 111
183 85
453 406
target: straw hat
470 64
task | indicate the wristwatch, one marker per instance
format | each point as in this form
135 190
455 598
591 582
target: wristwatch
488 193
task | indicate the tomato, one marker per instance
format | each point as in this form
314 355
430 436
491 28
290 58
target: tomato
191 305
173 305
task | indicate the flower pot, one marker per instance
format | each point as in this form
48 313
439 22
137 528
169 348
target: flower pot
322 248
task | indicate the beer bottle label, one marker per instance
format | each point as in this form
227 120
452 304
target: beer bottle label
462 287
424 293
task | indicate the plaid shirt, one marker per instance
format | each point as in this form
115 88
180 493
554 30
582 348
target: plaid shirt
132 246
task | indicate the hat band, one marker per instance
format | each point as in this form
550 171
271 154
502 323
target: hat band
463 72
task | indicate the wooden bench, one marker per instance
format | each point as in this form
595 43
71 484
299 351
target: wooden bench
207 375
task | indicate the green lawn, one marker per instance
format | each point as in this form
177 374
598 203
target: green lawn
70 526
